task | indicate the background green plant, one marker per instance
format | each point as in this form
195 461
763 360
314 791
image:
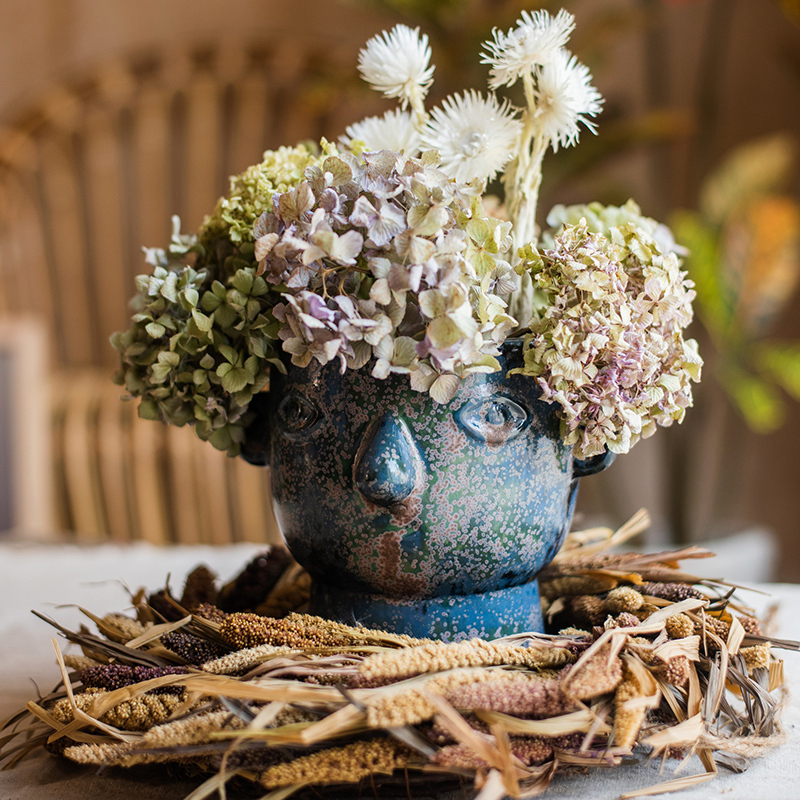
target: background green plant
744 257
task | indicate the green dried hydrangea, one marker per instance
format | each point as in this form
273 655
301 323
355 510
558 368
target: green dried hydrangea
203 336
197 353
251 192
601 219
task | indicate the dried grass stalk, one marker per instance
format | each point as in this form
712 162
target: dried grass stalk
441 656
676 785
595 540
138 714
348 764
301 701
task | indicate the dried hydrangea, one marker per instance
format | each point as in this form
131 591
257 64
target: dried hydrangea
607 343
386 260
251 192
379 255
203 336
602 218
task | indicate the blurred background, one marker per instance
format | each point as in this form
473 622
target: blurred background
113 116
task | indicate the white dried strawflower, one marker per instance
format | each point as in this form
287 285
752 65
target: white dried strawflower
565 98
475 136
395 131
397 63
532 43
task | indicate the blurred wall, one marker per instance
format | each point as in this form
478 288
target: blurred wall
42 40
734 67
754 89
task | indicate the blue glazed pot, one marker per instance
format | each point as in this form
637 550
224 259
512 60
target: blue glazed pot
425 519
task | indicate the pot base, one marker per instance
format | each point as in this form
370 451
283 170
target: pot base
490 615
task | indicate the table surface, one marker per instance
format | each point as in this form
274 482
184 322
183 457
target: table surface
55 579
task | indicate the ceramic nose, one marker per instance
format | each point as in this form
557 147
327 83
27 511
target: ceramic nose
388 462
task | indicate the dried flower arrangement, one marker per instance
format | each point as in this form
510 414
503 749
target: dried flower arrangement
381 253
241 683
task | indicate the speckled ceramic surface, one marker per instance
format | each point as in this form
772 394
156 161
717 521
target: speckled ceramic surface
397 505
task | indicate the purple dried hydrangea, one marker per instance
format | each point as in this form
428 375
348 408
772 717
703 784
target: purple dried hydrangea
385 259
607 342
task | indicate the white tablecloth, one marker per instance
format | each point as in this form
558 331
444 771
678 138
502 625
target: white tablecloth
46 577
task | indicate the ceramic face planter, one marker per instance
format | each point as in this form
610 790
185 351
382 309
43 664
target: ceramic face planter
425 519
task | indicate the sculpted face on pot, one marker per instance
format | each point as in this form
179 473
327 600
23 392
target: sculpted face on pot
380 490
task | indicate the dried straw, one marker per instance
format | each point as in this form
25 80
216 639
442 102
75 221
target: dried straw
648 654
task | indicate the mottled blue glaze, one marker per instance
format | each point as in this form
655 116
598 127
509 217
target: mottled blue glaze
387 462
428 519
451 618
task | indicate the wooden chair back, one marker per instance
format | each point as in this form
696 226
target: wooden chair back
89 175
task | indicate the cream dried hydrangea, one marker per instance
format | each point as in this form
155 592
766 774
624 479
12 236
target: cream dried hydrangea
607 344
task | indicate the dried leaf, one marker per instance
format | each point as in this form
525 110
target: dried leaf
685 732
776 676
482 745
511 764
576 722
689 646
347 719
125 655
157 631
735 636
493 788
607 757
731 761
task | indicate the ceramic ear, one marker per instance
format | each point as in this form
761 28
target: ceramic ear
255 447
591 466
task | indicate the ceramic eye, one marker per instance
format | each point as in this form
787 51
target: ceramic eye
493 420
296 415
